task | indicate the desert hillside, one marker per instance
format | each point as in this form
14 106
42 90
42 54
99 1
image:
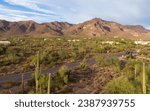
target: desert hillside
94 28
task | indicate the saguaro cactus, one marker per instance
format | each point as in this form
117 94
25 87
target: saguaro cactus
40 88
135 71
37 72
22 82
144 79
49 84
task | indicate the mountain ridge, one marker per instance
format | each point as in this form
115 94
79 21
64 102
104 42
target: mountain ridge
95 28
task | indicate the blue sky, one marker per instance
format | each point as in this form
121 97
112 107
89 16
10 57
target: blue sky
76 11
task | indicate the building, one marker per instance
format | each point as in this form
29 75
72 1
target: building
4 42
140 42
108 42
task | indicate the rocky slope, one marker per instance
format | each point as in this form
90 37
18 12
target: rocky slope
32 28
95 27
99 27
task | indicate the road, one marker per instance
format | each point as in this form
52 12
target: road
28 75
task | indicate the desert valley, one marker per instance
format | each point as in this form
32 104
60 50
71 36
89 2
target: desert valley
95 56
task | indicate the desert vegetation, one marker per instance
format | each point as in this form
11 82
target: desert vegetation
74 65
21 53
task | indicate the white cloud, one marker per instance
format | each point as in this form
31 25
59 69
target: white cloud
31 4
74 11
15 15
122 11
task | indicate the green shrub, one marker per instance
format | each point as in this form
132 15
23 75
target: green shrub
83 65
100 60
81 52
43 84
74 55
10 57
109 61
120 86
62 76
62 54
2 49
63 71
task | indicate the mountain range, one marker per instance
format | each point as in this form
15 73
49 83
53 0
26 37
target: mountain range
92 28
